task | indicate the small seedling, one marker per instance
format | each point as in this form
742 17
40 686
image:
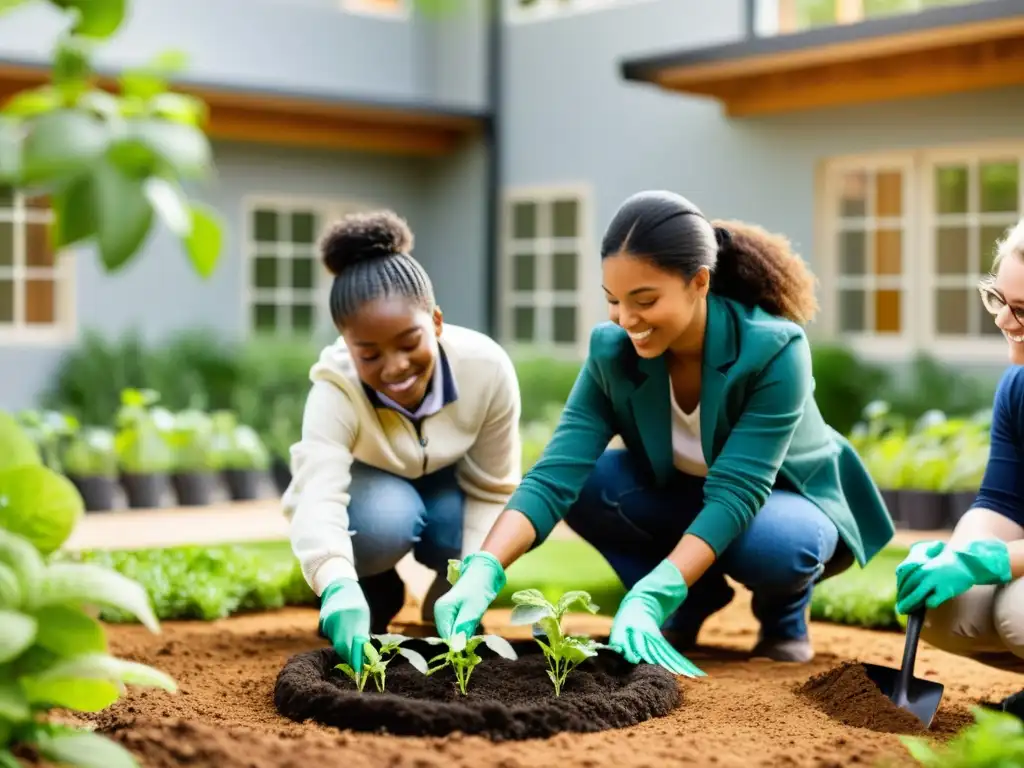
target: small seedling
376 661
563 652
461 655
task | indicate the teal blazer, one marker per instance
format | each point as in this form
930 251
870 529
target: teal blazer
758 420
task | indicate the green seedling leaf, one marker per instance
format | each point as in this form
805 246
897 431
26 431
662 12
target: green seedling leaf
16 447
95 19
87 584
71 67
84 750
10 589
61 144
68 631
458 642
574 598
529 614
414 658
100 666
500 646
74 213
124 215
17 553
17 633
389 639
532 597
184 148
14 706
204 240
40 505
170 204
33 102
179 108
82 695
371 653
454 571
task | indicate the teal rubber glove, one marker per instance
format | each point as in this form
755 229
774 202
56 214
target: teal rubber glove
950 572
345 619
464 605
636 629
920 553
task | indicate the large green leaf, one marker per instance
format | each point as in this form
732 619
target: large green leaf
14 706
205 240
33 102
179 108
74 213
169 202
24 559
123 215
71 66
69 631
183 147
17 631
39 504
11 593
81 694
87 584
100 666
16 447
8 760
85 750
96 18
61 144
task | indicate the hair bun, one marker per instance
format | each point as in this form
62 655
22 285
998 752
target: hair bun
723 237
364 236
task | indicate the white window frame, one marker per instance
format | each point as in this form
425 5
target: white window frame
63 274
545 10
588 280
328 210
919 306
401 12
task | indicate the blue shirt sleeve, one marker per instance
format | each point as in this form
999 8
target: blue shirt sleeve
1002 488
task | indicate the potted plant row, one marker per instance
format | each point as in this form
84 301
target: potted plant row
929 471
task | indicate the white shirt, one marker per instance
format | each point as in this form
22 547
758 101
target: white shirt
687 454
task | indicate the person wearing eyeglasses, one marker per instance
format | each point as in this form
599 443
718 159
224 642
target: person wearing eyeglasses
971 586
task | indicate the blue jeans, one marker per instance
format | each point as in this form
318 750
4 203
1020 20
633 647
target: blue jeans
789 545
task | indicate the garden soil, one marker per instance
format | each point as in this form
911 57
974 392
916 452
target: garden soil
744 713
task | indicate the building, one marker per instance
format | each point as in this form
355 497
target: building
883 136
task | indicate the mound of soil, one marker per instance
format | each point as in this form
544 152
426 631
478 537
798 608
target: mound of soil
505 700
847 694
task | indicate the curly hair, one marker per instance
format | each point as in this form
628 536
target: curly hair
747 263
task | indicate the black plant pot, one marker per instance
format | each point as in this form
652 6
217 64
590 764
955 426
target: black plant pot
144 491
243 484
282 474
194 489
892 503
923 510
97 492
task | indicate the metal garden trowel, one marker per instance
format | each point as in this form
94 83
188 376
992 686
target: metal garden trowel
919 697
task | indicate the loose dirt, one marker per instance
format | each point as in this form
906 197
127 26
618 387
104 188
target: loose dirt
744 713
504 699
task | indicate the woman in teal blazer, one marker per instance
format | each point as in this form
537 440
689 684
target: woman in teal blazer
728 468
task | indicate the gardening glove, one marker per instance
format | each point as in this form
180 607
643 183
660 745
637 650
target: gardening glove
951 572
464 605
920 554
345 619
636 629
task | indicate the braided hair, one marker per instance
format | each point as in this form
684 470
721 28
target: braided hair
369 256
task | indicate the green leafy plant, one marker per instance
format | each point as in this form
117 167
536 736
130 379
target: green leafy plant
142 437
995 740
376 661
91 452
563 652
237 446
462 657
191 440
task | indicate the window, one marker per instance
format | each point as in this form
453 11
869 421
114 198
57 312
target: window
545 236
35 286
385 8
906 240
784 16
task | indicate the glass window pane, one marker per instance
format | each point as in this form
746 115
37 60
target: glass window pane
852 253
303 228
951 311
6 301
524 221
853 201
563 271
6 244
564 215
264 317
889 252
6 197
889 193
988 236
887 311
563 321
951 251
999 187
951 189
264 272
524 272
302 317
264 226
851 310
40 306
302 272
37 246
38 203
524 324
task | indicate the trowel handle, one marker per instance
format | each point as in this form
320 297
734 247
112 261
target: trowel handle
914 623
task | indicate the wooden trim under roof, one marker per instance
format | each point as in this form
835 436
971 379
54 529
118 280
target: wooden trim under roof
855 63
279 119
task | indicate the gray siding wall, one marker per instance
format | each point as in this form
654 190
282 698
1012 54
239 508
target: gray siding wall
305 46
160 294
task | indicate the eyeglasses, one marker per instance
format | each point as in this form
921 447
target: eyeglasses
994 302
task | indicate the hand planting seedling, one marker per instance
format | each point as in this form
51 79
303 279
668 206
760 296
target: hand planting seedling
377 660
563 652
461 655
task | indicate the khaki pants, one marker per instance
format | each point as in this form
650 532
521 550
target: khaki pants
985 623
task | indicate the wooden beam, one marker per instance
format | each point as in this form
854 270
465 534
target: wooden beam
926 73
